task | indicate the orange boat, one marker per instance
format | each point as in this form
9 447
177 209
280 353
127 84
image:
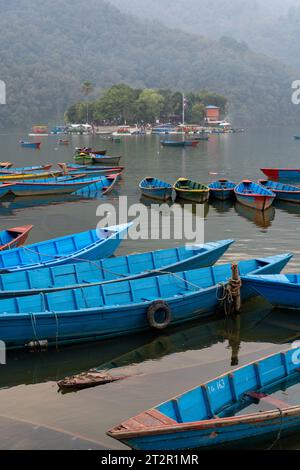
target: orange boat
14 237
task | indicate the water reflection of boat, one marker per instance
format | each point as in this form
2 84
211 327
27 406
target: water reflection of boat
15 203
261 219
194 207
222 206
256 324
290 207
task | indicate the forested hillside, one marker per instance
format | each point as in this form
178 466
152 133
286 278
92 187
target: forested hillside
268 26
48 48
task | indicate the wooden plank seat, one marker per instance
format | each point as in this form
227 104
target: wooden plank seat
259 397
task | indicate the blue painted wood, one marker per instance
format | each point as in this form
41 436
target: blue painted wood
90 245
25 169
283 191
5 189
113 269
33 145
254 195
156 189
281 290
179 143
105 311
223 411
222 189
47 186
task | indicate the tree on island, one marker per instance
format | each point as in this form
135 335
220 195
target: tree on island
86 89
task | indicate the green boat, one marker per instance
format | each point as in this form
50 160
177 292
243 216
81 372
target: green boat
83 158
191 190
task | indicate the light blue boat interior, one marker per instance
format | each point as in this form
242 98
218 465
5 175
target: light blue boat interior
51 250
6 237
138 291
105 270
154 183
274 186
227 396
222 184
251 188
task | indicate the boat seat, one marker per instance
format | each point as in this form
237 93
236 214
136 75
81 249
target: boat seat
268 399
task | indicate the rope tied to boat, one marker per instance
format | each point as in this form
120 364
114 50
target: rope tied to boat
94 263
230 298
278 437
195 286
56 335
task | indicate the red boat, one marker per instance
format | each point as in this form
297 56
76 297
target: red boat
282 174
14 237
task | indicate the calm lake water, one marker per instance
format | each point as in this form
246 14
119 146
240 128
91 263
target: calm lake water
32 413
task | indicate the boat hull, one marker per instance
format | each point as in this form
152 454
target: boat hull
162 194
28 189
282 174
106 271
193 196
221 194
208 416
65 250
219 435
259 202
31 145
88 324
279 293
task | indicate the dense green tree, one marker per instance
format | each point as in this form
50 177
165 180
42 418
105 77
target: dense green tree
149 105
122 104
86 89
117 104
197 113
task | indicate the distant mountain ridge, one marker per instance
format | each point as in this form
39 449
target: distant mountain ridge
48 48
271 27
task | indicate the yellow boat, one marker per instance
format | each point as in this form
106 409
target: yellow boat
29 176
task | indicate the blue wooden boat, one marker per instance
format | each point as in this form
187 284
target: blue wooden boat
105 184
71 169
26 169
251 402
156 189
281 291
179 143
105 271
282 174
83 246
222 189
254 195
5 189
283 191
48 186
31 145
120 308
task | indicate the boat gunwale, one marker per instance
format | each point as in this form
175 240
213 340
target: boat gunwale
275 190
207 423
174 297
222 243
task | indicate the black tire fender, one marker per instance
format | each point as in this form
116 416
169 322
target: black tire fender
154 307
